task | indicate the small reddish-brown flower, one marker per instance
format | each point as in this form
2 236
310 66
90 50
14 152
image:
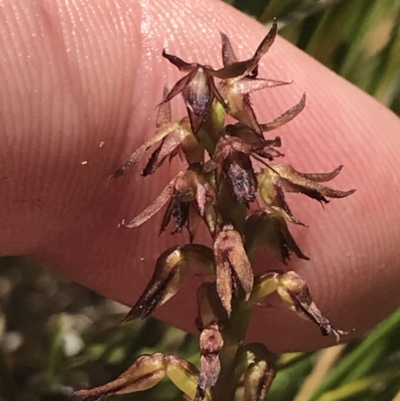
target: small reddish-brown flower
236 90
294 291
171 270
273 181
269 230
146 372
174 137
239 78
197 87
232 157
189 196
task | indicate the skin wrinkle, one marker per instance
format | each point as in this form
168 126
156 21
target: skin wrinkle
80 236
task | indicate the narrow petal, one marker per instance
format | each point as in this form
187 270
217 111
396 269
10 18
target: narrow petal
313 190
179 87
195 120
322 177
241 69
267 41
150 211
293 181
236 70
228 54
167 215
167 147
135 157
281 209
251 137
247 85
222 151
204 194
177 62
286 116
225 282
164 111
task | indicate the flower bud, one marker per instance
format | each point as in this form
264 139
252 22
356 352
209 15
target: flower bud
233 269
260 373
171 269
211 343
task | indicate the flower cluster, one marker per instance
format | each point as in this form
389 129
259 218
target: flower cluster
234 186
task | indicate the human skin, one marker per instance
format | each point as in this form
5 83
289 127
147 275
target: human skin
75 74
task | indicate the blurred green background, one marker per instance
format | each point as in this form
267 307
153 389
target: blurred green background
56 336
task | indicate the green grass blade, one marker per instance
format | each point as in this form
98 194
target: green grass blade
364 357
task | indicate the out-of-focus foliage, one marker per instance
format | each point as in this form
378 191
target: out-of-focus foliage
56 336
